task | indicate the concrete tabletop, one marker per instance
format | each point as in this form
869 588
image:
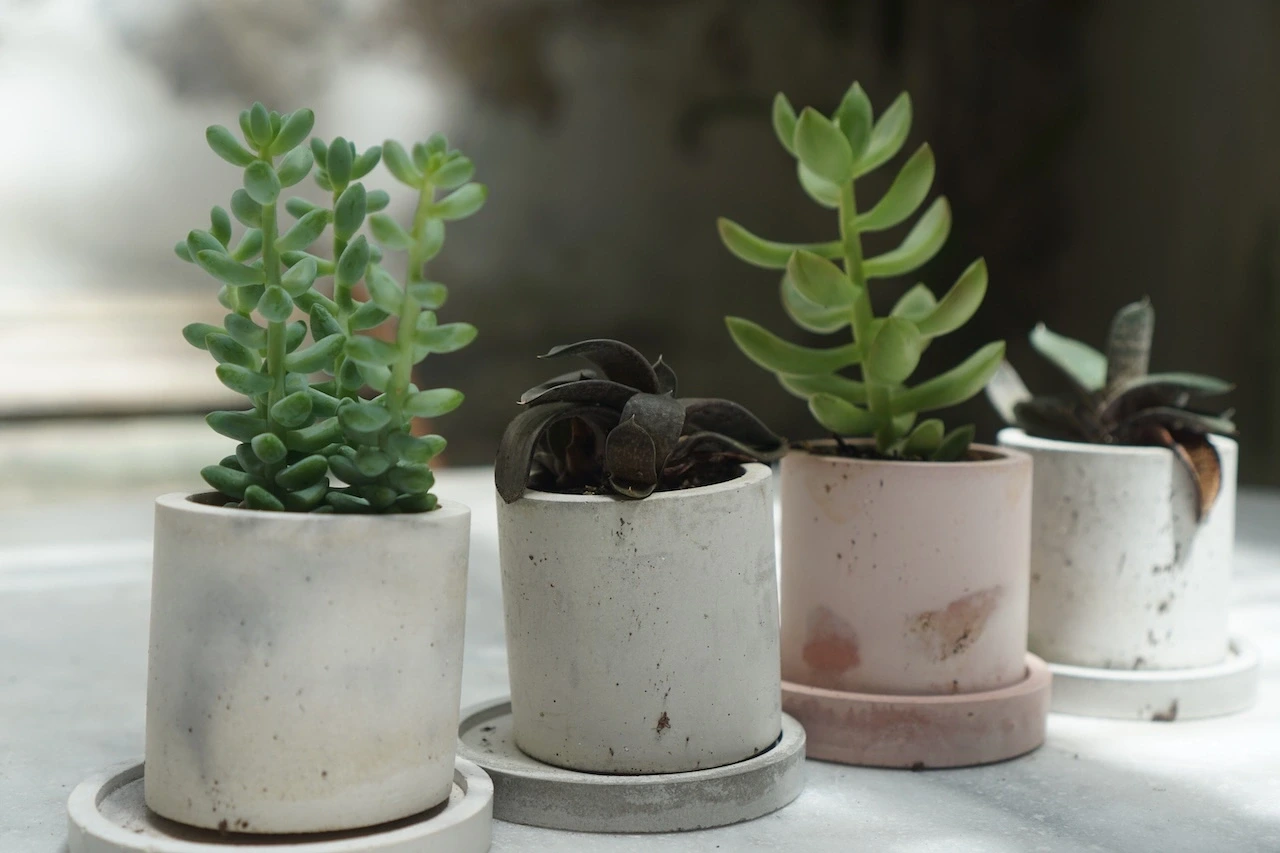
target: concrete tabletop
74 584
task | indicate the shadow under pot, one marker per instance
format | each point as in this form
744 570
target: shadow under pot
642 634
1123 575
904 608
305 670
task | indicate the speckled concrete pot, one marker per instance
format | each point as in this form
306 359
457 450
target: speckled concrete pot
1122 575
905 578
642 635
305 670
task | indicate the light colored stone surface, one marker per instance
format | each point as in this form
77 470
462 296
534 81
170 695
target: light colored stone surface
530 792
924 732
1122 575
642 635
73 632
905 577
304 669
106 814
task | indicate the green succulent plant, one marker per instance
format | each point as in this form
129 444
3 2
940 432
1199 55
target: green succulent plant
619 428
1113 399
826 287
307 421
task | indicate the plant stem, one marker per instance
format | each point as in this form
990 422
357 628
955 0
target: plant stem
277 332
342 297
862 315
402 371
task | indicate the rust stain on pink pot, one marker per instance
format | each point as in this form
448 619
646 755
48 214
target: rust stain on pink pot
831 645
953 629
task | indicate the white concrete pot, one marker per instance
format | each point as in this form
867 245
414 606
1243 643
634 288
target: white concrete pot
905 578
305 670
642 635
1122 576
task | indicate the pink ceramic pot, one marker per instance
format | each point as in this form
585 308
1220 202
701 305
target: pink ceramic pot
905 578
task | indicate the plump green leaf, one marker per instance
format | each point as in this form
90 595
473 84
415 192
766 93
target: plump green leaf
249 246
454 173
276 305
840 416
389 233
362 420
364 164
260 124
348 213
295 166
432 239
256 497
809 316
430 295
180 249
1083 364
887 136
823 192
363 349
242 380
1129 343
293 130
227 350
446 338
914 305
827 383
376 376
433 403
437 143
261 182
953 387
767 253
241 426
367 316
319 150
318 435
822 148
226 270
199 241
292 258
269 448
854 118
247 211
353 262
461 203
925 438
416 449
384 290
299 278
322 404
959 304
784 122
772 353
220 225
226 480
923 242
904 195
372 462
224 144
295 332
421 157
323 322
820 281
376 200
246 331
400 164
292 411
300 207
304 473
310 499
197 334
305 231
318 356
954 444
339 161
411 478
895 351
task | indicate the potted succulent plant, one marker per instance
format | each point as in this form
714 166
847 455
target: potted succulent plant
904 547
636 540
307 614
1134 509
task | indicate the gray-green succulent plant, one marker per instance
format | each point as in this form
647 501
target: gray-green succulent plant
620 429
823 296
307 420
1113 399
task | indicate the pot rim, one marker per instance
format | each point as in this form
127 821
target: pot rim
1004 457
182 502
753 473
1019 438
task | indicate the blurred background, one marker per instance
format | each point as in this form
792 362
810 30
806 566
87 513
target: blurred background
1093 152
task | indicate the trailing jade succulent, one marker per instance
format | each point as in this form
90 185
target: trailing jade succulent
827 287
620 429
1113 399
307 421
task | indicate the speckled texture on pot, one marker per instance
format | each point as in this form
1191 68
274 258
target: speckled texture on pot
905 578
642 635
305 670
1122 575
